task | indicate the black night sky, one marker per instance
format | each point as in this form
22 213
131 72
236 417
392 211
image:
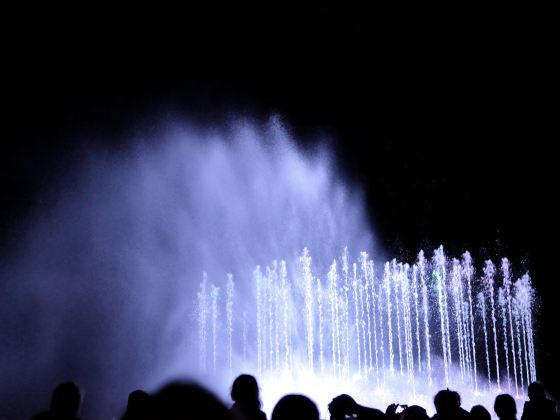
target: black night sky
444 117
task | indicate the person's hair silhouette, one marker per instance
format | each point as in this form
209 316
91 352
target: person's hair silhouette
65 400
187 401
245 395
505 407
415 412
65 403
448 406
478 412
138 406
295 407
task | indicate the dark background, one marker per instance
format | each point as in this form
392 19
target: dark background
445 117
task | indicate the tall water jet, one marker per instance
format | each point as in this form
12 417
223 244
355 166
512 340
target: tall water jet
320 328
468 272
387 283
482 309
489 272
305 261
214 295
503 306
357 316
229 313
203 303
346 319
508 300
422 265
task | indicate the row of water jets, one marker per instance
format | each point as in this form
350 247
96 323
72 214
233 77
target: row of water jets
436 321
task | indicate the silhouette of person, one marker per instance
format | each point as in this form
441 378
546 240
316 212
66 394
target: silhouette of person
344 405
246 401
65 403
295 407
138 407
538 406
414 412
478 412
448 406
177 401
505 407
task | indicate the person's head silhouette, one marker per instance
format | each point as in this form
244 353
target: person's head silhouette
447 402
415 412
505 407
295 407
65 400
478 412
138 405
186 400
245 391
536 392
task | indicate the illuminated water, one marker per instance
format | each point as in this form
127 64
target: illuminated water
105 285
437 317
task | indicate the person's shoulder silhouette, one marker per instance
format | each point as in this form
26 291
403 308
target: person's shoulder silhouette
538 406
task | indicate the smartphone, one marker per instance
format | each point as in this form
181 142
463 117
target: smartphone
400 408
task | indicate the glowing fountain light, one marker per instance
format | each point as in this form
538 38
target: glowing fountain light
329 344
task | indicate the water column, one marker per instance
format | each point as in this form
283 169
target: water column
503 306
214 293
361 285
346 308
202 321
381 327
516 316
257 275
528 298
508 300
489 271
387 283
277 314
439 263
305 261
482 308
455 282
270 298
371 276
405 287
229 314
417 318
321 322
395 279
285 314
422 266
335 333
356 316
468 272
367 281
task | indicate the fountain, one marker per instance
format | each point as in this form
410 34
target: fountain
118 256
437 318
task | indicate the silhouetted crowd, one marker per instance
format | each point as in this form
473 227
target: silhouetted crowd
177 401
